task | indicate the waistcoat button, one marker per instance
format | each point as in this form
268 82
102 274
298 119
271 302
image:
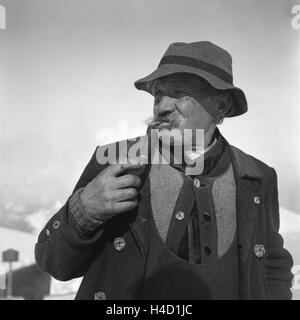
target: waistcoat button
206 216
119 244
197 183
256 200
179 215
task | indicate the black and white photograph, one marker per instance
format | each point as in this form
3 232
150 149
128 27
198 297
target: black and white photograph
149 151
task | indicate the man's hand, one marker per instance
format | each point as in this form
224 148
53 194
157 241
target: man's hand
109 194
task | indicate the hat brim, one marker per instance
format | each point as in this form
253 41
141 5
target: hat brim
239 100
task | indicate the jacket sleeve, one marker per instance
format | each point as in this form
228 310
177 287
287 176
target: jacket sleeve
279 260
61 250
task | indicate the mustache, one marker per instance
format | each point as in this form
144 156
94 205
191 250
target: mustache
172 119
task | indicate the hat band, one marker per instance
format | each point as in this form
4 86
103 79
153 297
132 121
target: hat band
199 64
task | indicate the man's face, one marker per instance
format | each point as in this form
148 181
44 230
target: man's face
180 102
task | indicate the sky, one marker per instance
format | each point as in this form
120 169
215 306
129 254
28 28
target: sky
67 69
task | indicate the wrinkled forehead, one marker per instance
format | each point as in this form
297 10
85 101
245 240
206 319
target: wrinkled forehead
186 81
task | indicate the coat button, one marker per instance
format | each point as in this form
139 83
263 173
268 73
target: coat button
100 296
259 250
179 215
256 200
56 224
119 244
206 217
197 183
47 232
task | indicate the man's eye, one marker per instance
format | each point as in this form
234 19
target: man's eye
157 99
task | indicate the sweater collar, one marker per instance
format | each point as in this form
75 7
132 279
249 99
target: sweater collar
216 161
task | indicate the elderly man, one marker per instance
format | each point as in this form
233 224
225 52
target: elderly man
151 231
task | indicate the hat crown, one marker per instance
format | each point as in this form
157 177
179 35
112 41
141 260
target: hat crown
202 51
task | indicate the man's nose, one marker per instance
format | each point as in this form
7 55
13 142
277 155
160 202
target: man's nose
166 104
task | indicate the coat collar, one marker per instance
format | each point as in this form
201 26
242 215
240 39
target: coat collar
245 165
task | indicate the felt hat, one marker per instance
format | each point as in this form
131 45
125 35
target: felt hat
204 59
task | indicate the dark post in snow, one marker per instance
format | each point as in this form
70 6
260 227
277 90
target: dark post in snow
10 256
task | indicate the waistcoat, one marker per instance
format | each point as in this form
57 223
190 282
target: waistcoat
168 275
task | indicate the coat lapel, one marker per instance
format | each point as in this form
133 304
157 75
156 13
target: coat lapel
249 179
140 224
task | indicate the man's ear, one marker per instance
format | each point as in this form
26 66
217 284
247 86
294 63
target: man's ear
224 107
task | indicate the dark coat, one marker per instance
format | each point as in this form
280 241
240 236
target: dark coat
66 254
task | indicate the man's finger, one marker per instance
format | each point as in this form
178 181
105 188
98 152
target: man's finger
128 180
125 194
116 169
125 205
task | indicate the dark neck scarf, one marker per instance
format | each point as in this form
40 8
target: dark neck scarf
216 160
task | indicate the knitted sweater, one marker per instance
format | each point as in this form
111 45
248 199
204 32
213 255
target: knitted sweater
215 199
